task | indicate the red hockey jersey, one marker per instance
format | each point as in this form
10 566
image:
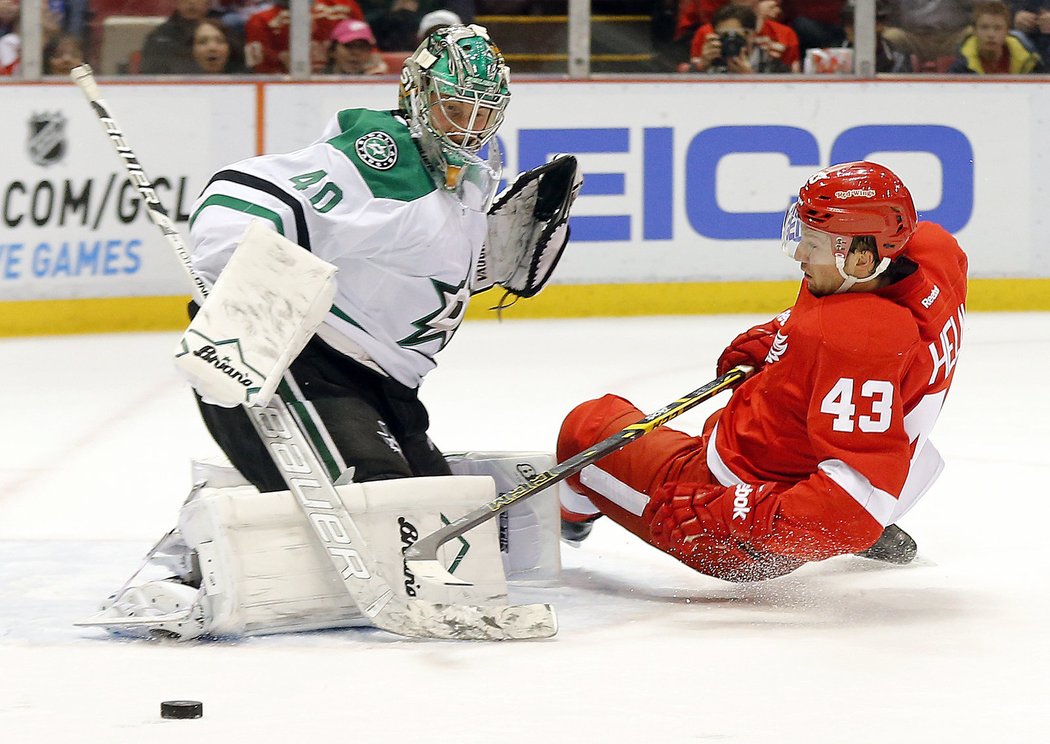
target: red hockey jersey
851 389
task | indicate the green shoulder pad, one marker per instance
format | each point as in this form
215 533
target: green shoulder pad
384 153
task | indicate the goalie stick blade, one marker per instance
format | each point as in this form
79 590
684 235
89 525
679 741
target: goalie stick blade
418 619
475 623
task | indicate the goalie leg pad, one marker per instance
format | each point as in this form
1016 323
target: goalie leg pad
529 530
263 572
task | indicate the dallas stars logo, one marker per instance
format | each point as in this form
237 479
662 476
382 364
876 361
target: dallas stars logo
376 149
443 322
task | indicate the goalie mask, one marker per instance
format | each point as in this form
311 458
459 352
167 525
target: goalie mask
844 202
454 91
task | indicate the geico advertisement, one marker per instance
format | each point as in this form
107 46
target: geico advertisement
683 181
690 181
71 225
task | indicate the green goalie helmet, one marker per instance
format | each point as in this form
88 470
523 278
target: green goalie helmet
454 92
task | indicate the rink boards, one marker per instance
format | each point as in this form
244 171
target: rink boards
685 185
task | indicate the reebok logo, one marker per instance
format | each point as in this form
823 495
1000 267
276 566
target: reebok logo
928 300
740 499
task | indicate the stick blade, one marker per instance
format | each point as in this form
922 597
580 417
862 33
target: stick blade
456 622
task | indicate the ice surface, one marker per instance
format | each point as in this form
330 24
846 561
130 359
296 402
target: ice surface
97 436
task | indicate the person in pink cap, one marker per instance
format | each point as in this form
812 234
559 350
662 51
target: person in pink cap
353 50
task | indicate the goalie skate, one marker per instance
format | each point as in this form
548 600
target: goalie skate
156 609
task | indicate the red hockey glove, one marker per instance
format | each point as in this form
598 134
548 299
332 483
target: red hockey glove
679 513
752 346
707 527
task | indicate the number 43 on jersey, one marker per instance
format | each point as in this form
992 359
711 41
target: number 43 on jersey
876 397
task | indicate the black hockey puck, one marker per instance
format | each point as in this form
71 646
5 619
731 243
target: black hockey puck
181 709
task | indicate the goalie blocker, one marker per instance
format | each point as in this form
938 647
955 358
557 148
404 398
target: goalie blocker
262 311
245 563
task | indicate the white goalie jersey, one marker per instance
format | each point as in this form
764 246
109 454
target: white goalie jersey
362 199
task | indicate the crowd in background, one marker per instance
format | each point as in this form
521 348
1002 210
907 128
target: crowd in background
363 37
239 36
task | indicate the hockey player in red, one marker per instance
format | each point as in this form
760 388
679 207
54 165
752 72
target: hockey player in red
826 445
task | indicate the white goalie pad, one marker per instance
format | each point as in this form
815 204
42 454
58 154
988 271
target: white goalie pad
263 309
529 531
261 570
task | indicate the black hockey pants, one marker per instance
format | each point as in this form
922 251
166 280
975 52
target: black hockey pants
378 425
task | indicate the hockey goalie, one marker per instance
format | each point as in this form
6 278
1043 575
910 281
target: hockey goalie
335 274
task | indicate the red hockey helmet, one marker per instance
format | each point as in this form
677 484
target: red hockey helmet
859 198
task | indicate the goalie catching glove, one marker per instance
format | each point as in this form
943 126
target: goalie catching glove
528 228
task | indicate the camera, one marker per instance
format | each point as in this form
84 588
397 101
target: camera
733 42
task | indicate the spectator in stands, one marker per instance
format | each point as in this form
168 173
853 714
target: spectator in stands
62 54
10 36
169 47
10 41
728 45
235 13
992 49
1032 22
692 14
435 20
818 23
215 50
8 16
888 59
776 40
930 30
353 50
772 48
396 27
266 34
67 16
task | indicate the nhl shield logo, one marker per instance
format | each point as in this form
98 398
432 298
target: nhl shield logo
377 149
47 138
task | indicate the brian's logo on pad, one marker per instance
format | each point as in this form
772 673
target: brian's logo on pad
217 369
224 364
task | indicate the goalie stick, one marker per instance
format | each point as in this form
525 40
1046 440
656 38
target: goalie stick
421 558
314 492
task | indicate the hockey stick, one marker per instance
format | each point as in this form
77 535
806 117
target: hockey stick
421 558
302 471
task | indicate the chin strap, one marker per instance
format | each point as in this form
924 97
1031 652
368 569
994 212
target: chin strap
848 281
